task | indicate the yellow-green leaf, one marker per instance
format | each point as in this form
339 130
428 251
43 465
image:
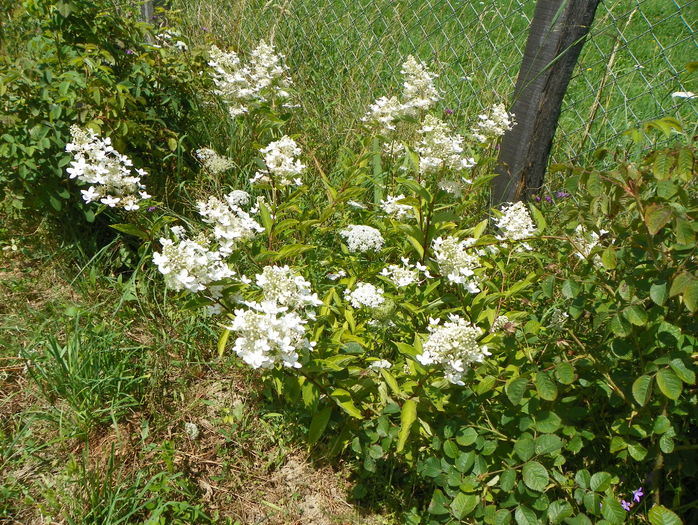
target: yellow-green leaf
408 416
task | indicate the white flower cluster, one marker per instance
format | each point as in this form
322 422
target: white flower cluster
268 333
230 222
282 164
515 223
457 262
214 163
106 170
190 264
380 363
585 241
418 94
362 238
494 124
365 294
439 149
241 85
500 323
454 346
286 287
273 330
406 274
391 206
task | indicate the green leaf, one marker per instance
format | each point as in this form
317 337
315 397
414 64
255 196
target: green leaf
685 374
222 341
390 381
538 218
666 443
318 424
570 289
524 448
451 449
525 516
546 387
438 503
267 221
608 258
408 415
564 372
617 443
345 402
583 478
130 229
658 293
507 480
656 217
635 314
502 517
559 510
535 476
612 511
661 425
547 443
463 504
600 481
642 389
466 437
637 451
660 515
515 389
669 384
310 394
548 287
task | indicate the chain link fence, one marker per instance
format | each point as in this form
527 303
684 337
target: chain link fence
345 53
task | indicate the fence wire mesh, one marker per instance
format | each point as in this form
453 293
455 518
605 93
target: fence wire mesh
345 53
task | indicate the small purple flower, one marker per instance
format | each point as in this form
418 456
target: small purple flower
152 208
448 111
548 198
129 52
626 506
637 494
536 198
204 28
562 194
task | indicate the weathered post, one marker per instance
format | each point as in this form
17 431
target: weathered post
147 10
554 42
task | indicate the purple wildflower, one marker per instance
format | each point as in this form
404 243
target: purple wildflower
152 208
562 194
129 52
204 28
548 198
637 494
626 506
536 198
448 111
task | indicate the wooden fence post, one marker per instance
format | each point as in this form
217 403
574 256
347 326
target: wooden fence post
555 40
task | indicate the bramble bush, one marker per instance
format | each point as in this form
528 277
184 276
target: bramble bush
517 365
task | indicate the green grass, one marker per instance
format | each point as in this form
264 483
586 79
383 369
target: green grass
343 54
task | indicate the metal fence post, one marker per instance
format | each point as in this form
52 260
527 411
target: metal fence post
555 39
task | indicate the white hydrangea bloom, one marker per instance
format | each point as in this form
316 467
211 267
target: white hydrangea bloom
365 294
391 206
493 124
394 149
337 275
439 149
109 173
500 323
458 262
454 346
282 164
383 114
515 224
362 238
231 224
419 92
269 334
241 86
286 287
189 264
213 162
380 363
401 276
585 241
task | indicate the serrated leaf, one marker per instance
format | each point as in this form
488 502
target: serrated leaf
684 373
547 443
408 415
617 443
684 165
546 387
642 388
466 437
502 517
345 402
559 510
666 443
661 168
438 503
600 481
535 476
635 314
515 389
661 425
570 289
507 480
463 504
637 451
451 449
656 217
660 515
525 516
524 448
658 293
612 511
608 258
318 424
669 383
583 478
538 218
564 372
